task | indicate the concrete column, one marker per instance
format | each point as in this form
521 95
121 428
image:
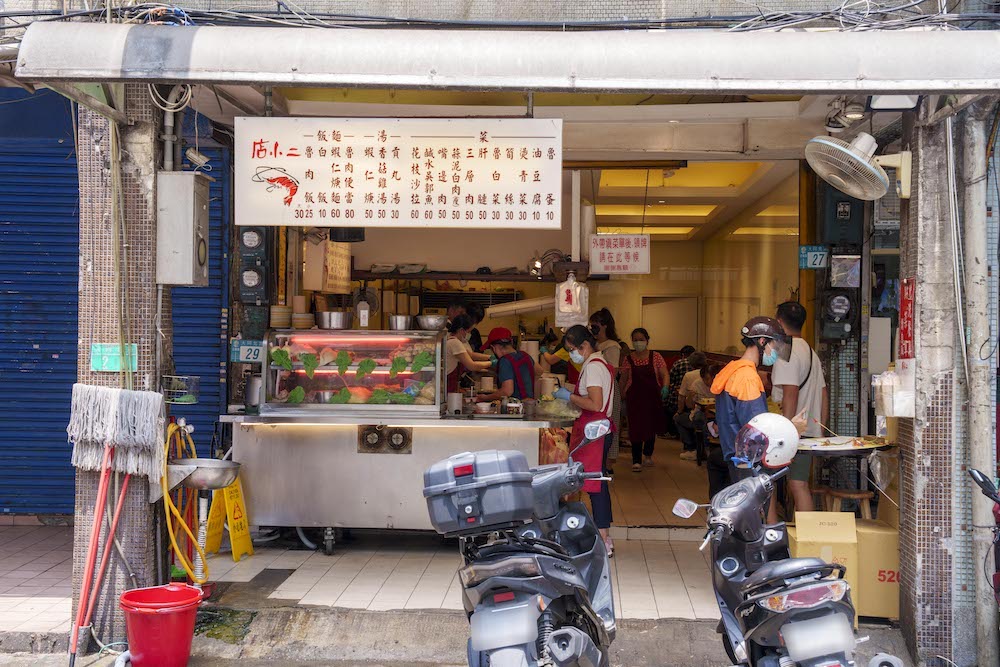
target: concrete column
99 321
926 558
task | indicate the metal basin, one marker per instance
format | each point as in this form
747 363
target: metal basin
399 322
334 320
205 474
432 322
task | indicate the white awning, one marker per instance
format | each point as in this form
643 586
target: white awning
690 61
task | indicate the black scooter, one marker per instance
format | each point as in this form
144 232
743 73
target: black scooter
990 491
539 592
776 611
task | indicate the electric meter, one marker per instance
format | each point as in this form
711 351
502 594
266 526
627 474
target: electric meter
253 266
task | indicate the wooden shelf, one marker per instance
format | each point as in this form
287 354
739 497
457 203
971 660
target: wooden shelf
425 276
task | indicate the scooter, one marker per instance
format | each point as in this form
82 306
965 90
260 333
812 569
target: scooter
776 611
990 491
537 586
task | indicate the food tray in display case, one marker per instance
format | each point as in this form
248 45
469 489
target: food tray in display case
346 372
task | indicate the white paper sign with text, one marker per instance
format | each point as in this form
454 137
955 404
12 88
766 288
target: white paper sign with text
619 253
399 172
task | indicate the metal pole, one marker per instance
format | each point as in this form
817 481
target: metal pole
575 215
981 443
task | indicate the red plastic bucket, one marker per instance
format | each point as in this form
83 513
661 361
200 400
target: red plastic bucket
160 624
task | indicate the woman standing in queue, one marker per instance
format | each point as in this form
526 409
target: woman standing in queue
457 355
594 395
643 376
602 326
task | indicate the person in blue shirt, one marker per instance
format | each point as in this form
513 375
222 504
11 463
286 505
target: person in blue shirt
515 368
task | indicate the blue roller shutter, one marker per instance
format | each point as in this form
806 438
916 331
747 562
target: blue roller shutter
200 313
39 260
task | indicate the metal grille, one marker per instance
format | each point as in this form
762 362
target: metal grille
38 322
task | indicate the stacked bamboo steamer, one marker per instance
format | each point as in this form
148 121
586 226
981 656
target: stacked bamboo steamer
301 317
281 317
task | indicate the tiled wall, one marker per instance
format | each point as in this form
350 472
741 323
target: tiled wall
99 323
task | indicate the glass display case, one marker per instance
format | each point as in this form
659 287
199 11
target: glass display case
358 372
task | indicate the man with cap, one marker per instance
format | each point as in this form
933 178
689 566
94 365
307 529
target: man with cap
515 368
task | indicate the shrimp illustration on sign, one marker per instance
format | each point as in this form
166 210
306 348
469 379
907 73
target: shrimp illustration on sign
276 177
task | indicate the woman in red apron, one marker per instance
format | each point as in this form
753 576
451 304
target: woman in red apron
457 357
594 396
643 375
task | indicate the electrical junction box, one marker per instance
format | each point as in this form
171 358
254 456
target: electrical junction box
254 275
182 228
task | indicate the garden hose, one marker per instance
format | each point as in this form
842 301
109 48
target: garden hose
179 436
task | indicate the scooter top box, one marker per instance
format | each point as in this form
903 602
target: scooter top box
476 492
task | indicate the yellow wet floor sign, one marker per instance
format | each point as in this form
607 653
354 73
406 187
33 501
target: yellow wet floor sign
228 507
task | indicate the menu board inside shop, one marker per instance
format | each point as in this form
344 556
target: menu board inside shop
399 172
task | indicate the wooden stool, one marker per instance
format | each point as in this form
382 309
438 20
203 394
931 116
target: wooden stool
821 498
864 498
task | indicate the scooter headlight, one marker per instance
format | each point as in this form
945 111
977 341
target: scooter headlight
806 597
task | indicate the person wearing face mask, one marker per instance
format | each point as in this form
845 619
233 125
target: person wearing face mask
594 395
602 327
738 388
457 355
643 376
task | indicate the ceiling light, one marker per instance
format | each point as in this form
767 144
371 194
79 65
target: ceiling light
662 201
767 231
893 102
854 111
653 231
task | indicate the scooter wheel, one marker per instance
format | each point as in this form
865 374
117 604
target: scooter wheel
885 660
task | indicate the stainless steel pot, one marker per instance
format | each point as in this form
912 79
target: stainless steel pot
334 320
399 322
432 322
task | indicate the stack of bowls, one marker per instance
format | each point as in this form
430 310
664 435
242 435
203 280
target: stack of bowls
281 317
303 321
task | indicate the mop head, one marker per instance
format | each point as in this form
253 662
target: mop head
130 421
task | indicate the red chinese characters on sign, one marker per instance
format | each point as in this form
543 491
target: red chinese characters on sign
619 253
907 297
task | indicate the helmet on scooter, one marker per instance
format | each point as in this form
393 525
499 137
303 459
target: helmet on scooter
768 438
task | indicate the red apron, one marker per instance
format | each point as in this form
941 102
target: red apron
592 454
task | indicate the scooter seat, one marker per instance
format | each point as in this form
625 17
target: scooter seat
788 568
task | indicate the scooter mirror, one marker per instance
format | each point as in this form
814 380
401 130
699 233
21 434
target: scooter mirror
685 508
984 482
597 430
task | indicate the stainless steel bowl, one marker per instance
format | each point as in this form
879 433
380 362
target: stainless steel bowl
208 473
432 322
334 320
399 322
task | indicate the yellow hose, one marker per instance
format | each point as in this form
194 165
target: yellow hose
184 445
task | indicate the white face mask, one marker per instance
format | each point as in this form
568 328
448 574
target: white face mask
576 356
639 345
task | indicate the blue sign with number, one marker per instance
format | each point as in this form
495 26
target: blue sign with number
814 257
246 351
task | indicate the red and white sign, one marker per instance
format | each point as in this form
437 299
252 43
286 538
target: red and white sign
907 295
619 253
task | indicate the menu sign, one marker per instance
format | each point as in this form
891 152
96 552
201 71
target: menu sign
405 172
907 296
619 253
337 264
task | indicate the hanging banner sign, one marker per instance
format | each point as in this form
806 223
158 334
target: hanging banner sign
337 268
399 172
619 253
907 297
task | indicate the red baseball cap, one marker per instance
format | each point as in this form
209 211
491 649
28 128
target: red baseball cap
498 334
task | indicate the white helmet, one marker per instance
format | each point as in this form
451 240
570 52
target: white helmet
768 438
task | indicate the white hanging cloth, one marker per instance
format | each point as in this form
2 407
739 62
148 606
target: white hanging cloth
572 303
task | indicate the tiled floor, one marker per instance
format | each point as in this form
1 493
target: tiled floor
646 498
35 578
652 579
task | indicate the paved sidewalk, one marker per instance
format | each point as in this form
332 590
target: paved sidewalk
36 572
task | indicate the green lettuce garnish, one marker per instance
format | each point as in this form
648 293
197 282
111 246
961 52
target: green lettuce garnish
342 396
379 396
310 362
398 366
401 399
280 357
421 361
343 361
366 367
296 395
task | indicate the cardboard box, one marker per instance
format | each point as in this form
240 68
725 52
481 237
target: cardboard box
888 510
829 536
877 592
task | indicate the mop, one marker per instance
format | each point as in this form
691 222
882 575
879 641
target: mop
104 422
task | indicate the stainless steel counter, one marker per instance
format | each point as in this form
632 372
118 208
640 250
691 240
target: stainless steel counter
313 470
